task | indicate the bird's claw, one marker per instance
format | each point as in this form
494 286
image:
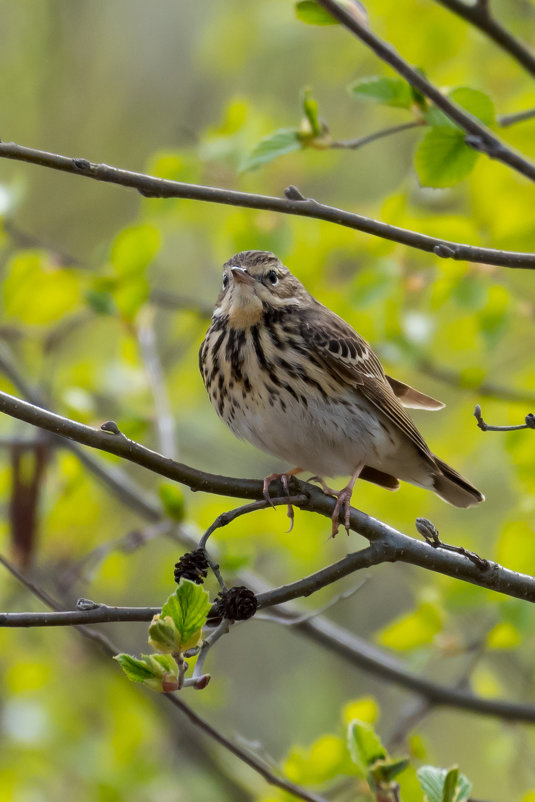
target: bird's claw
283 477
343 502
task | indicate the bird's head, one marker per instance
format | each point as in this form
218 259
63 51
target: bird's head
254 282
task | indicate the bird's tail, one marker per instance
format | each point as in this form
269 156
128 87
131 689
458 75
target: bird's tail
454 488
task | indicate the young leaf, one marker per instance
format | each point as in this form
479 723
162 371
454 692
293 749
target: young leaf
150 669
389 91
443 785
391 768
364 745
188 606
283 141
310 109
163 635
450 785
442 157
310 12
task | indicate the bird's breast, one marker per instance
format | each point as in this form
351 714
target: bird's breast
271 389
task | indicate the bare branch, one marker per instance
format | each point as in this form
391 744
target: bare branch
386 543
307 207
355 144
478 136
485 427
517 117
479 15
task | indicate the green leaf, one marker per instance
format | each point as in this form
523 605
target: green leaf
477 103
134 248
310 12
391 768
450 785
283 141
157 671
188 606
389 91
443 785
100 301
35 291
364 745
310 109
163 635
442 158
172 499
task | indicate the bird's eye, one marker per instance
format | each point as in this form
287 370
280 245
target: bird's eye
272 277
225 281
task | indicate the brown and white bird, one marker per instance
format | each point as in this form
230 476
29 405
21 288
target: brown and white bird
295 380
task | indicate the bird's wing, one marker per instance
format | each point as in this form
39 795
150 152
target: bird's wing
413 399
348 356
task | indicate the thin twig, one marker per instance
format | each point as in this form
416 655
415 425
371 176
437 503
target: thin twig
486 427
207 644
355 144
478 136
301 207
340 597
516 117
478 14
227 517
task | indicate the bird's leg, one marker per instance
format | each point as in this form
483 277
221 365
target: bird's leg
324 486
284 479
343 501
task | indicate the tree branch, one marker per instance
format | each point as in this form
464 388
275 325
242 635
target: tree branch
478 14
485 427
478 136
320 630
294 205
246 757
394 545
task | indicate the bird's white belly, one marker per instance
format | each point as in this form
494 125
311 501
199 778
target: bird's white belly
326 437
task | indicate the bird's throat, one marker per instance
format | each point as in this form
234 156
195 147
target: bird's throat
246 311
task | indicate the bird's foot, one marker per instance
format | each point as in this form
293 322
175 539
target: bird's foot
343 504
283 477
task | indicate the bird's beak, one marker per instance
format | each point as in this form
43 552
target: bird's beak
241 276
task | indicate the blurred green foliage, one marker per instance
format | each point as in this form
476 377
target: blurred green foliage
188 92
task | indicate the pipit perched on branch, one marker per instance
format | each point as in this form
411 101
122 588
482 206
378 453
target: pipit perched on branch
293 378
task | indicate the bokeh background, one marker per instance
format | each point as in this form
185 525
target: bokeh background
99 285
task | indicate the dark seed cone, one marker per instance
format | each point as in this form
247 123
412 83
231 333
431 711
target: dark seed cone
236 604
193 566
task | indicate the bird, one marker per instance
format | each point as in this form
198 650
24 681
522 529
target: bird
289 375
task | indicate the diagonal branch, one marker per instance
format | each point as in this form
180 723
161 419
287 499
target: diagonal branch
478 136
293 204
394 545
478 14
